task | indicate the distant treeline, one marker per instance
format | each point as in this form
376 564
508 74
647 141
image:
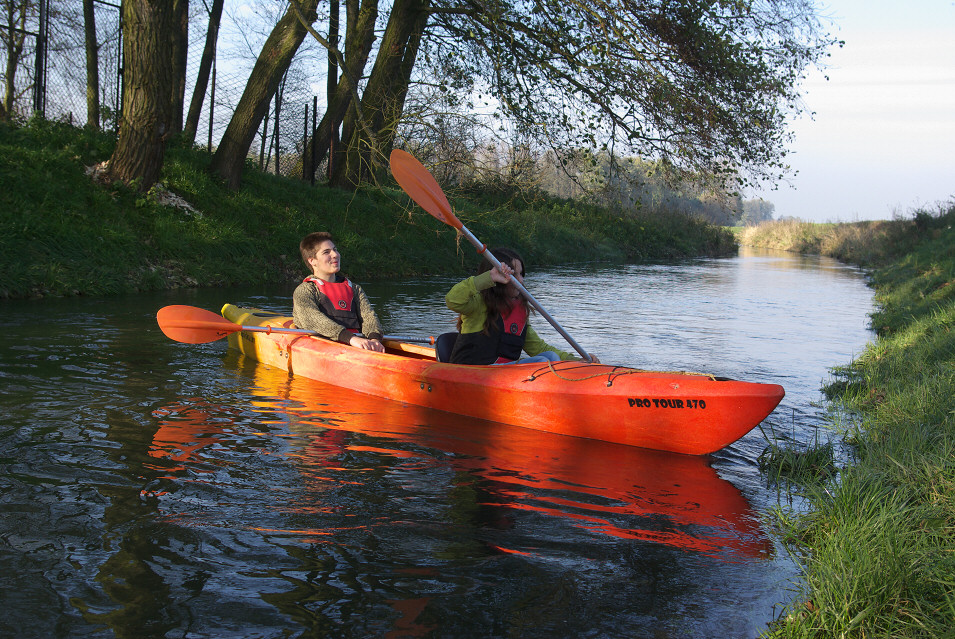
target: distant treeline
605 180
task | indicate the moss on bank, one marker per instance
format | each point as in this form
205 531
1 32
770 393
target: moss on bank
61 233
877 545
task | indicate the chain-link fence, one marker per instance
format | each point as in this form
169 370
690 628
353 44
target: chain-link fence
43 72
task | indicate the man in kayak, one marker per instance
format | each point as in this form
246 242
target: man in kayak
493 320
328 303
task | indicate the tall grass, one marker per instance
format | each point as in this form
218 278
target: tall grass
869 243
787 462
877 545
61 233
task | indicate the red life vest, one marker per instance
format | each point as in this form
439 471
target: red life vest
504 343
513 327
337 301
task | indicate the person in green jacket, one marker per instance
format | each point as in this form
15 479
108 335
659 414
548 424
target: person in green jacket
493 317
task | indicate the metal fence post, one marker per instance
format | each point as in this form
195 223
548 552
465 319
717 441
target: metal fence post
275 136
305 145
212 99
39 81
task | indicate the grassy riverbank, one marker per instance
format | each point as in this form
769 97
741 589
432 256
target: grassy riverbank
63 234
877 544
866 244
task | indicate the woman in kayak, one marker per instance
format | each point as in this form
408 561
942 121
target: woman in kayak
493 317
327 303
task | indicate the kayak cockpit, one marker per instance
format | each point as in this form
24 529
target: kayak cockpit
404 349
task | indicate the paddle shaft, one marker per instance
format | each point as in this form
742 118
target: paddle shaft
302 331
483 250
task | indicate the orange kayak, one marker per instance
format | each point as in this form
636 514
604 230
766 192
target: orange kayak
679 412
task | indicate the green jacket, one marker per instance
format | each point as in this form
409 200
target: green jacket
465 298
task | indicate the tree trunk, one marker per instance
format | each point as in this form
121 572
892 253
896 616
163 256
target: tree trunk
271 65
92 65
359 38
202 78
14 27
384 96
150 32
179 57
332 81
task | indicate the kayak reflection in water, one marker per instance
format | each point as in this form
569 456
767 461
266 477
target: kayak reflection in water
328 303
493 317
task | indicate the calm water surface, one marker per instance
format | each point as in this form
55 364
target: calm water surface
156 489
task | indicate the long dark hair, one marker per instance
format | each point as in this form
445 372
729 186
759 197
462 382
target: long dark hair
495 298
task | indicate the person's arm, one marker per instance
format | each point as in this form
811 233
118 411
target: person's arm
370 325
535 345
465 298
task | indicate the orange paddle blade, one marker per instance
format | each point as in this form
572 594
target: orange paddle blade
418 183
192 325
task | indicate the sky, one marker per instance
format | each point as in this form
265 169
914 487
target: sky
882 140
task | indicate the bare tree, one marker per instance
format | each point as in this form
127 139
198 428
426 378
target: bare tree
178 56
707 87
16 13
367 147
202 77
359 38
151 29
92 65
270 67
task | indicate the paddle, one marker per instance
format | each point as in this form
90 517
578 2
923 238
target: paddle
418 183
192 325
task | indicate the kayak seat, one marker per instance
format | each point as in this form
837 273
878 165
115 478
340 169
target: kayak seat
444 345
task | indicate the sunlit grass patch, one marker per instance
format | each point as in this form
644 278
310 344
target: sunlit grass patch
798 464
877 544
869 244
874 566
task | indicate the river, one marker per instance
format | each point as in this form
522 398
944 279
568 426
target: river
157 489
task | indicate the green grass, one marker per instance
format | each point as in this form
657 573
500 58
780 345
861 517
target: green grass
877 543
876 565
786 462
863 243
63 234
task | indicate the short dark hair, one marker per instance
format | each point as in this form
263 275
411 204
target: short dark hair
310 242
